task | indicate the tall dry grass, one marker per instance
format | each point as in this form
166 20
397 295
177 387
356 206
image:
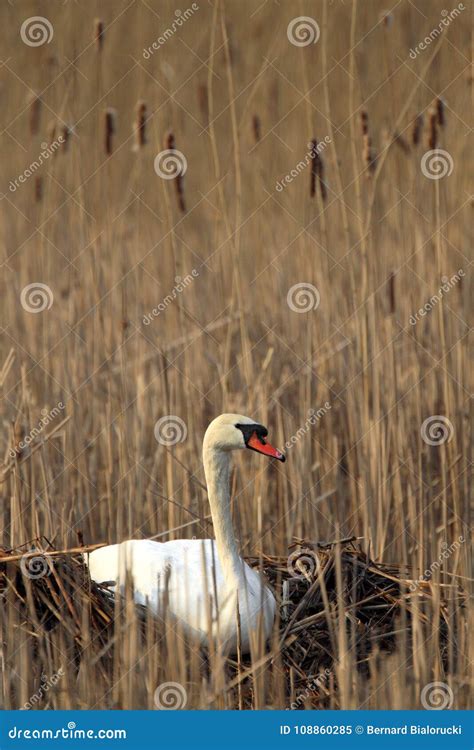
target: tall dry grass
109 237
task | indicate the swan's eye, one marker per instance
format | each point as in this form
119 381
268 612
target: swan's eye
248 430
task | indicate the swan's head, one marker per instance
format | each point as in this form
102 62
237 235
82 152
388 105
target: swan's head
231 432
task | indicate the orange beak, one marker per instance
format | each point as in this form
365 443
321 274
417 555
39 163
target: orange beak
259 445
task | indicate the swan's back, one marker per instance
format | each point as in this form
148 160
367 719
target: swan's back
184 578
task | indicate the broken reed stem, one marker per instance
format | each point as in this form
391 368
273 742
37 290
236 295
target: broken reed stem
139 126
178 180
110 122
368 153
99 34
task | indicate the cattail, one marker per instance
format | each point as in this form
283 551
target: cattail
317 172
322 184
367 154
140 125
364 121
417 128
99 34
386 18
35 115
179 181
433 129
256 128
391 291
110 119
440 112
314 166
38 188
52 131
66 136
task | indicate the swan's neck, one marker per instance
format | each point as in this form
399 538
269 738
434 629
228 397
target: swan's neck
217 471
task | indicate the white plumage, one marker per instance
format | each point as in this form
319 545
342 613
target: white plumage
201 584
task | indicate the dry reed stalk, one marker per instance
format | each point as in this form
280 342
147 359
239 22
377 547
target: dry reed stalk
99 37
110 121
139 125
178 180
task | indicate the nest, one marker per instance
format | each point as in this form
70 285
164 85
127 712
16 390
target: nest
314 585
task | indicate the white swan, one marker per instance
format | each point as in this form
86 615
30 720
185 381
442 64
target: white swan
202 583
